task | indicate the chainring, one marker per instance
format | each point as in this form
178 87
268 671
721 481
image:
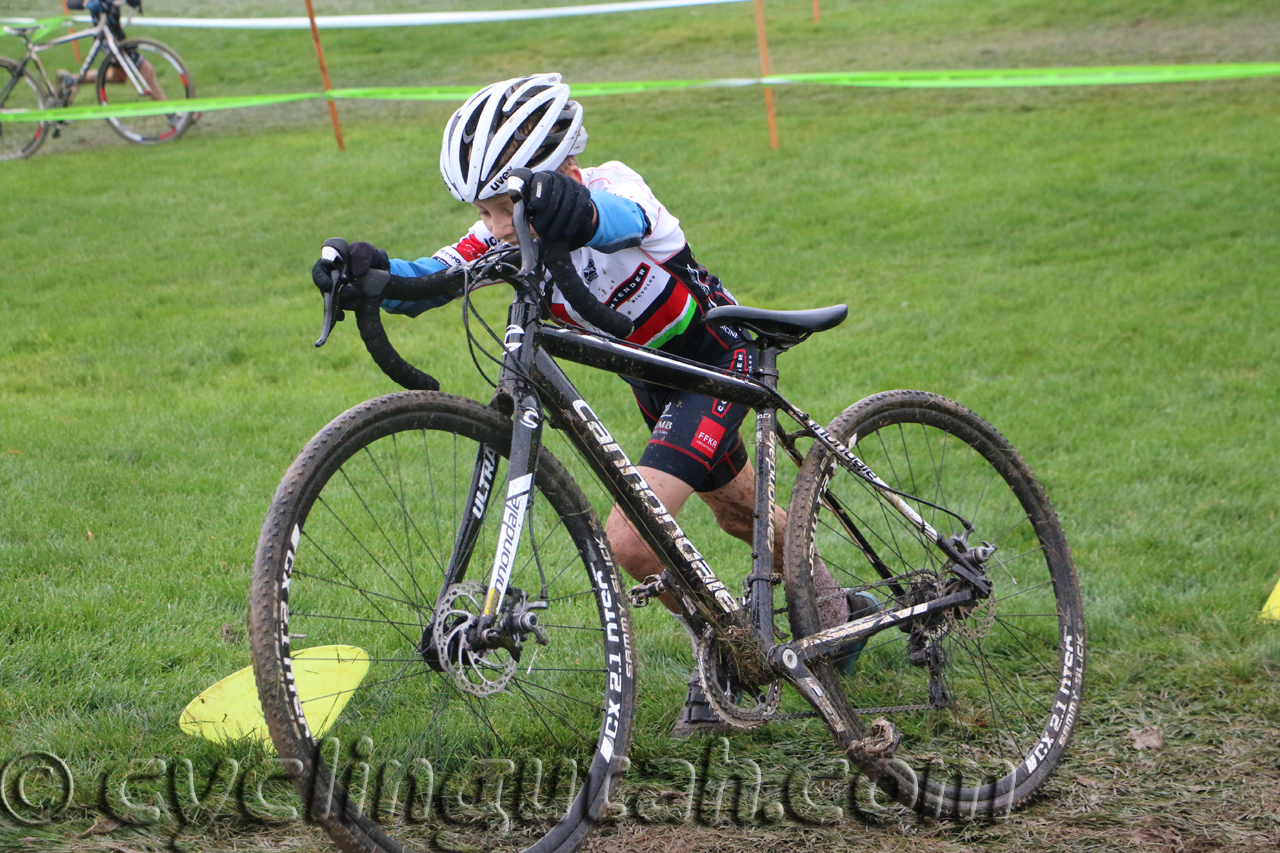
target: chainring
478 672
721 696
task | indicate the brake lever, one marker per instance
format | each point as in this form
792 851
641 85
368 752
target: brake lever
331 253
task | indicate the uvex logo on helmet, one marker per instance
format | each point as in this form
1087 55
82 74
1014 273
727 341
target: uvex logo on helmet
523 122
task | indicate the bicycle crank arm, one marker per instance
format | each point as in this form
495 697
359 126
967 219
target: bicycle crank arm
876 748
834 641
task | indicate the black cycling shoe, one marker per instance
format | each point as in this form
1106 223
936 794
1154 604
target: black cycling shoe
696 717
860 604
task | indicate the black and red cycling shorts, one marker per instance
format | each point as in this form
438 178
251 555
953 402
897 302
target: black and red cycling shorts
694 437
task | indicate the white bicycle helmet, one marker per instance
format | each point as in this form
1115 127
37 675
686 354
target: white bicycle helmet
525 121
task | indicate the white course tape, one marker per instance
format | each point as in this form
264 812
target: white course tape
414 19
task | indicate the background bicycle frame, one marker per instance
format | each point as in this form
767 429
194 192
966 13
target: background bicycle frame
101 34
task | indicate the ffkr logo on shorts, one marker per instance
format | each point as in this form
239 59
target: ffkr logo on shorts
708 436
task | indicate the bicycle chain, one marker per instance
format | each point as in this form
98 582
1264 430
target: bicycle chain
865 712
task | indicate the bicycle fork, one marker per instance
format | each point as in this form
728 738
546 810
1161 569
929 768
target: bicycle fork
517 491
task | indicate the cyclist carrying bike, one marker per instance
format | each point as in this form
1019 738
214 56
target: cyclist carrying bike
632 254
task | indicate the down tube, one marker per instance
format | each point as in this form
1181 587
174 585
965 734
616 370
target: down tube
707 595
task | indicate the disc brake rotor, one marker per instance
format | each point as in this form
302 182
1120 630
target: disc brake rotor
478 672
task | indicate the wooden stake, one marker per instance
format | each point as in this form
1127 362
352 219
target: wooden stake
815 11
764 72
324 76
75 45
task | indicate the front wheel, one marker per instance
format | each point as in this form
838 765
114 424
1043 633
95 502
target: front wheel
161 76
19 139
984 696
504 746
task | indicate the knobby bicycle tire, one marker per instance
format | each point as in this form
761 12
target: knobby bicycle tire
21 139
173 77
351 557
985 700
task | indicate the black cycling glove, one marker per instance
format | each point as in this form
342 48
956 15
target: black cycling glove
365 257
560 209
357 259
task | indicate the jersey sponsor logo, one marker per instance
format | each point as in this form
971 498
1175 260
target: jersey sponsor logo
708 436
628 288
589 272
696 274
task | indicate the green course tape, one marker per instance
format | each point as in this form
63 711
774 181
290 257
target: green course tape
155 108
967 79
1027 77
418 93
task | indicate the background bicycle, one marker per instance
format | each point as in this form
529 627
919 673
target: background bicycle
133 70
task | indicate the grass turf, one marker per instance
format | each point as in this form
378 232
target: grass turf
1092 270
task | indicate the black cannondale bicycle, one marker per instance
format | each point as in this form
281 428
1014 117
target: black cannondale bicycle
436 537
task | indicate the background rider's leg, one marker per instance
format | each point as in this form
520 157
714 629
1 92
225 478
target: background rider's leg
148 72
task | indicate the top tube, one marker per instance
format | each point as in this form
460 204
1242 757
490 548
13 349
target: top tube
92 32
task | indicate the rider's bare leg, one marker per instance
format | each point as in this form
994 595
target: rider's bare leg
733 506
146 69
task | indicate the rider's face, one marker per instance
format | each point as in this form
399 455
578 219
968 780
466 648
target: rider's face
495 211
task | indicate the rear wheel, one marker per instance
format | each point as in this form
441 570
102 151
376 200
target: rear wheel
19 139
984 697
163 77
504 747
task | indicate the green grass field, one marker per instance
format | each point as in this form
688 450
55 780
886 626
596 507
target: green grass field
1092 270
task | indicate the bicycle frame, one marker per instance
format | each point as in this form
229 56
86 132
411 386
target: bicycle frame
537 388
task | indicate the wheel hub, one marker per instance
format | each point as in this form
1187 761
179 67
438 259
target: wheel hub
474 670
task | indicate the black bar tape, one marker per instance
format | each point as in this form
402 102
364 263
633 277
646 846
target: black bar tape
369 322
560 265
442 283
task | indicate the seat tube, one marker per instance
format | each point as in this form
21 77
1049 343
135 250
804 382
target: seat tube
760 582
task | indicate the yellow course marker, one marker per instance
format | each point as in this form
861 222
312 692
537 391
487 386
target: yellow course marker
326 678
1271 610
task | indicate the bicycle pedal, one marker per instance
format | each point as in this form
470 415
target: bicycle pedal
881 742
57 130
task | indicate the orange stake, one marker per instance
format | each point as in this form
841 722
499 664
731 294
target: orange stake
75 45
324 76
815 11
764 72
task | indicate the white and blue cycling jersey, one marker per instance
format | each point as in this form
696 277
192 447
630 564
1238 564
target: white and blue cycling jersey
638 263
